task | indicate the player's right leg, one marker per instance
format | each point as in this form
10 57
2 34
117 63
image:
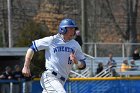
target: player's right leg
51 84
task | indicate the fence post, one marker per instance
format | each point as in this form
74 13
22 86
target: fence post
95 49
11 87
123 54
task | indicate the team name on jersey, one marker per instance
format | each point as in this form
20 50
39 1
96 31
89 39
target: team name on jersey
63 49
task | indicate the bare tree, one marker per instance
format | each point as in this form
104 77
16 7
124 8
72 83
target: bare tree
4 24
130 34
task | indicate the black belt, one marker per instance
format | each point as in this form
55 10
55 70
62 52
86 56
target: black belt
54 73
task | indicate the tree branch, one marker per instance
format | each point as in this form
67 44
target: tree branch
118 29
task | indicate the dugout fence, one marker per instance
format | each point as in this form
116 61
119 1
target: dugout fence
89 85
96 85
9 86
104 85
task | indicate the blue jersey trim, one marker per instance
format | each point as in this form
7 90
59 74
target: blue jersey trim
84 64
34 46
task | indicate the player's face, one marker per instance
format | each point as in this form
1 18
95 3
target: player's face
70 33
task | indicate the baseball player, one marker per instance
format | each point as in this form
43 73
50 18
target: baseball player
61 52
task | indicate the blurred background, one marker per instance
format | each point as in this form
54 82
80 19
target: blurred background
105 26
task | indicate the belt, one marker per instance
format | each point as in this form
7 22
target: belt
55 73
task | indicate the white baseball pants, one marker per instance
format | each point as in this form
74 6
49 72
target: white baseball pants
51 83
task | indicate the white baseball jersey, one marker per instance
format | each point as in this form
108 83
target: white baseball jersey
57 53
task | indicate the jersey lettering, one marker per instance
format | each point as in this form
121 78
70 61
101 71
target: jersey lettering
69 61
62 49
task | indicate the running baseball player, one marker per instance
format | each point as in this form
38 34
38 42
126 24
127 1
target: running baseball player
61 52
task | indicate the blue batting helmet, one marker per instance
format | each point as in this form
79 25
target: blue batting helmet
66 23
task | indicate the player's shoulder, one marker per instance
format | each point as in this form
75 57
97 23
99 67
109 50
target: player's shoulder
74 42
50 37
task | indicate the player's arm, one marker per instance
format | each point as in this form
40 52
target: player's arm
80 64
28 58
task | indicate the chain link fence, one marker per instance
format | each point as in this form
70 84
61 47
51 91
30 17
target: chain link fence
103 49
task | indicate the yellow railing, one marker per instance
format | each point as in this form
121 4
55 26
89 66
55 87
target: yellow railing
101 78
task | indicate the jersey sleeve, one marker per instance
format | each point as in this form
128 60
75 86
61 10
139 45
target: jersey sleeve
42 44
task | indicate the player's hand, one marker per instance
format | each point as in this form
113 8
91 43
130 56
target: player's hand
26 71
73 58
9 77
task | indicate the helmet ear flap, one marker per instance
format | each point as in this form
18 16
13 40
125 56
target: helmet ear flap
63 30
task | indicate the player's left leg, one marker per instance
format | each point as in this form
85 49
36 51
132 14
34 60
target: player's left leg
53 87
51 84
